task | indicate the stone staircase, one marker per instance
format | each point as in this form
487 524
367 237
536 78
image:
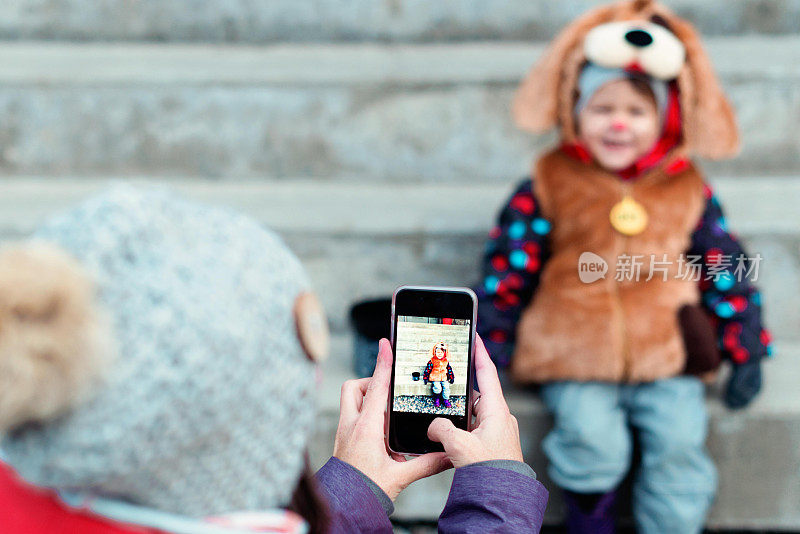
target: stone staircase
344 126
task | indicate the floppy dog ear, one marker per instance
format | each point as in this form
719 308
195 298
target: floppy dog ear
709 120
535 106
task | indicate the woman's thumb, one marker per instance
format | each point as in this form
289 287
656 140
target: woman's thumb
426 465
444 431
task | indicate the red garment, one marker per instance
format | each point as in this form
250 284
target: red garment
438 369
25 509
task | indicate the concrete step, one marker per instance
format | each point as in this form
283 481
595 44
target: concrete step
757 205
357 20
422 113
363 239
757 450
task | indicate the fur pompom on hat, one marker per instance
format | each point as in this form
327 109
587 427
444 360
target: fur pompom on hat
207 407
54 341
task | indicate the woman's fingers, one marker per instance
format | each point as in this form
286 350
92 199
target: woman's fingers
488 381
377 394
352 398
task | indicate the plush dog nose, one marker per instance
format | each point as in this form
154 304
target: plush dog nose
639 38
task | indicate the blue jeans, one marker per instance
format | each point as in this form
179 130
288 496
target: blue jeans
590 447
441 387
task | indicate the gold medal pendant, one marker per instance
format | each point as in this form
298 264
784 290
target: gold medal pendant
628 217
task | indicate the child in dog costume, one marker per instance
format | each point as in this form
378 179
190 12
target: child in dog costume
439 373
616 354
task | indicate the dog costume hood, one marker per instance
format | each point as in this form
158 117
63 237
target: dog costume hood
642 35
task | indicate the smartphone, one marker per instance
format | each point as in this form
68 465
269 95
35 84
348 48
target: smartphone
433 340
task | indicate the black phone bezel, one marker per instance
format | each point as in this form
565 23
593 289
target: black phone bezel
407 432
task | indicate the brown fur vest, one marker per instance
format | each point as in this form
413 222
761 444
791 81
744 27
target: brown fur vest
608 330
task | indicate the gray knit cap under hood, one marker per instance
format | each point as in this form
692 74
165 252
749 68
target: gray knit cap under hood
209 404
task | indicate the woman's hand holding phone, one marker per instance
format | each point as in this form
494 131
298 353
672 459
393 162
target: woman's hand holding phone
360 435
496 434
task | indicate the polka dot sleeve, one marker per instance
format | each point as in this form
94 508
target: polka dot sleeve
515 253
726 285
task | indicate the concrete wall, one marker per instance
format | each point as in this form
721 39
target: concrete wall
245 21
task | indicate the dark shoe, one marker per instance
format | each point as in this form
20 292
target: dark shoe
447 403
436 401
591 513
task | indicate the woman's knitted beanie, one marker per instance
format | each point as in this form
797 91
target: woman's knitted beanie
208 405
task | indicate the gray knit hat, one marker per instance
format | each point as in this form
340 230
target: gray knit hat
593 77
208 405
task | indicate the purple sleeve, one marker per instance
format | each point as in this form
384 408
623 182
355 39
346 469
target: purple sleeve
726 285
492 499
353 505
514 256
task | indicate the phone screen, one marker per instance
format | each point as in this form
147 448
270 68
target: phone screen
431 357
433 339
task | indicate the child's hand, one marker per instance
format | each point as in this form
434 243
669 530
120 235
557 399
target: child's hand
360 438
496 436
744 384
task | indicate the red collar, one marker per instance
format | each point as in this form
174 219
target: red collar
26 509
670 137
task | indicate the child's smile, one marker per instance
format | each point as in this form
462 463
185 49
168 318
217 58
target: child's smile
616 144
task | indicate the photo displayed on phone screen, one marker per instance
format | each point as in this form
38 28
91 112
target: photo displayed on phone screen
431 365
